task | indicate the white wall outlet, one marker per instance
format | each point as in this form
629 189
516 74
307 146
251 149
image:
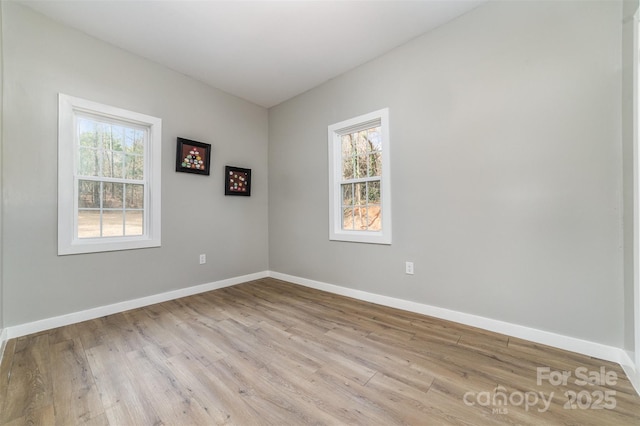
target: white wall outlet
408 268
203 259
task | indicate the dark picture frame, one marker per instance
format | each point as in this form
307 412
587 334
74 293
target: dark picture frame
237 181
193 157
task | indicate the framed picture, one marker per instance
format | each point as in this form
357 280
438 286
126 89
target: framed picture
193 157
237 181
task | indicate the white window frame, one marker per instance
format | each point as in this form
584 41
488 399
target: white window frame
336 233
69 109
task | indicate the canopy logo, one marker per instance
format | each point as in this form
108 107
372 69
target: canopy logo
500 400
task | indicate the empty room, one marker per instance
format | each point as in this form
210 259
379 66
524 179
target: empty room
319 212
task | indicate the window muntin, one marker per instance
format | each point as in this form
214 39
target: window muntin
359 179
109 178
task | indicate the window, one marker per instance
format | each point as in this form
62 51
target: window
108 178
359 186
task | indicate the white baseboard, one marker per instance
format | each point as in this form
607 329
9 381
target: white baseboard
75 317
3 343
585 347
597 350
633 374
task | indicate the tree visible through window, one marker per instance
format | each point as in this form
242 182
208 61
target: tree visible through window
110 179
361 172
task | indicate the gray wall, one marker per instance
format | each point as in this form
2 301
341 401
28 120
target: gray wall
506 158
43 58
630 257
1 171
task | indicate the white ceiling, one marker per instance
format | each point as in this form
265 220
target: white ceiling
263 51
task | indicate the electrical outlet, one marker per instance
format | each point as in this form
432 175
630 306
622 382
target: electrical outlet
408 268
203 259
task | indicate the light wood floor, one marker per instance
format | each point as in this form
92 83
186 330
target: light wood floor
273 353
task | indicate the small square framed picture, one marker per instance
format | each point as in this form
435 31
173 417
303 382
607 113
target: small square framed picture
193 157
237 181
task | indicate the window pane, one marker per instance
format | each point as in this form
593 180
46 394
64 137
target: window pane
88 162
375 164
374 218
373 192
133 222
361 142
361 166
134 167
347 194
112 195
347 157
360 218
88 194
88 133
112 223
347 146
367 218
116 138
360 193
129 140
347 218
112 164
133 141
88 223
375 139
348 164
135 196
138 144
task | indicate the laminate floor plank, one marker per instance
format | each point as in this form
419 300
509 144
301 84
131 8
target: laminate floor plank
360 404
284 314
201 341
5 369
187 334
91 333
76 399
42 416
294 355
173 402
341 363
268 352
268 406
29 390
122 333
215 396
123 399
146 329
